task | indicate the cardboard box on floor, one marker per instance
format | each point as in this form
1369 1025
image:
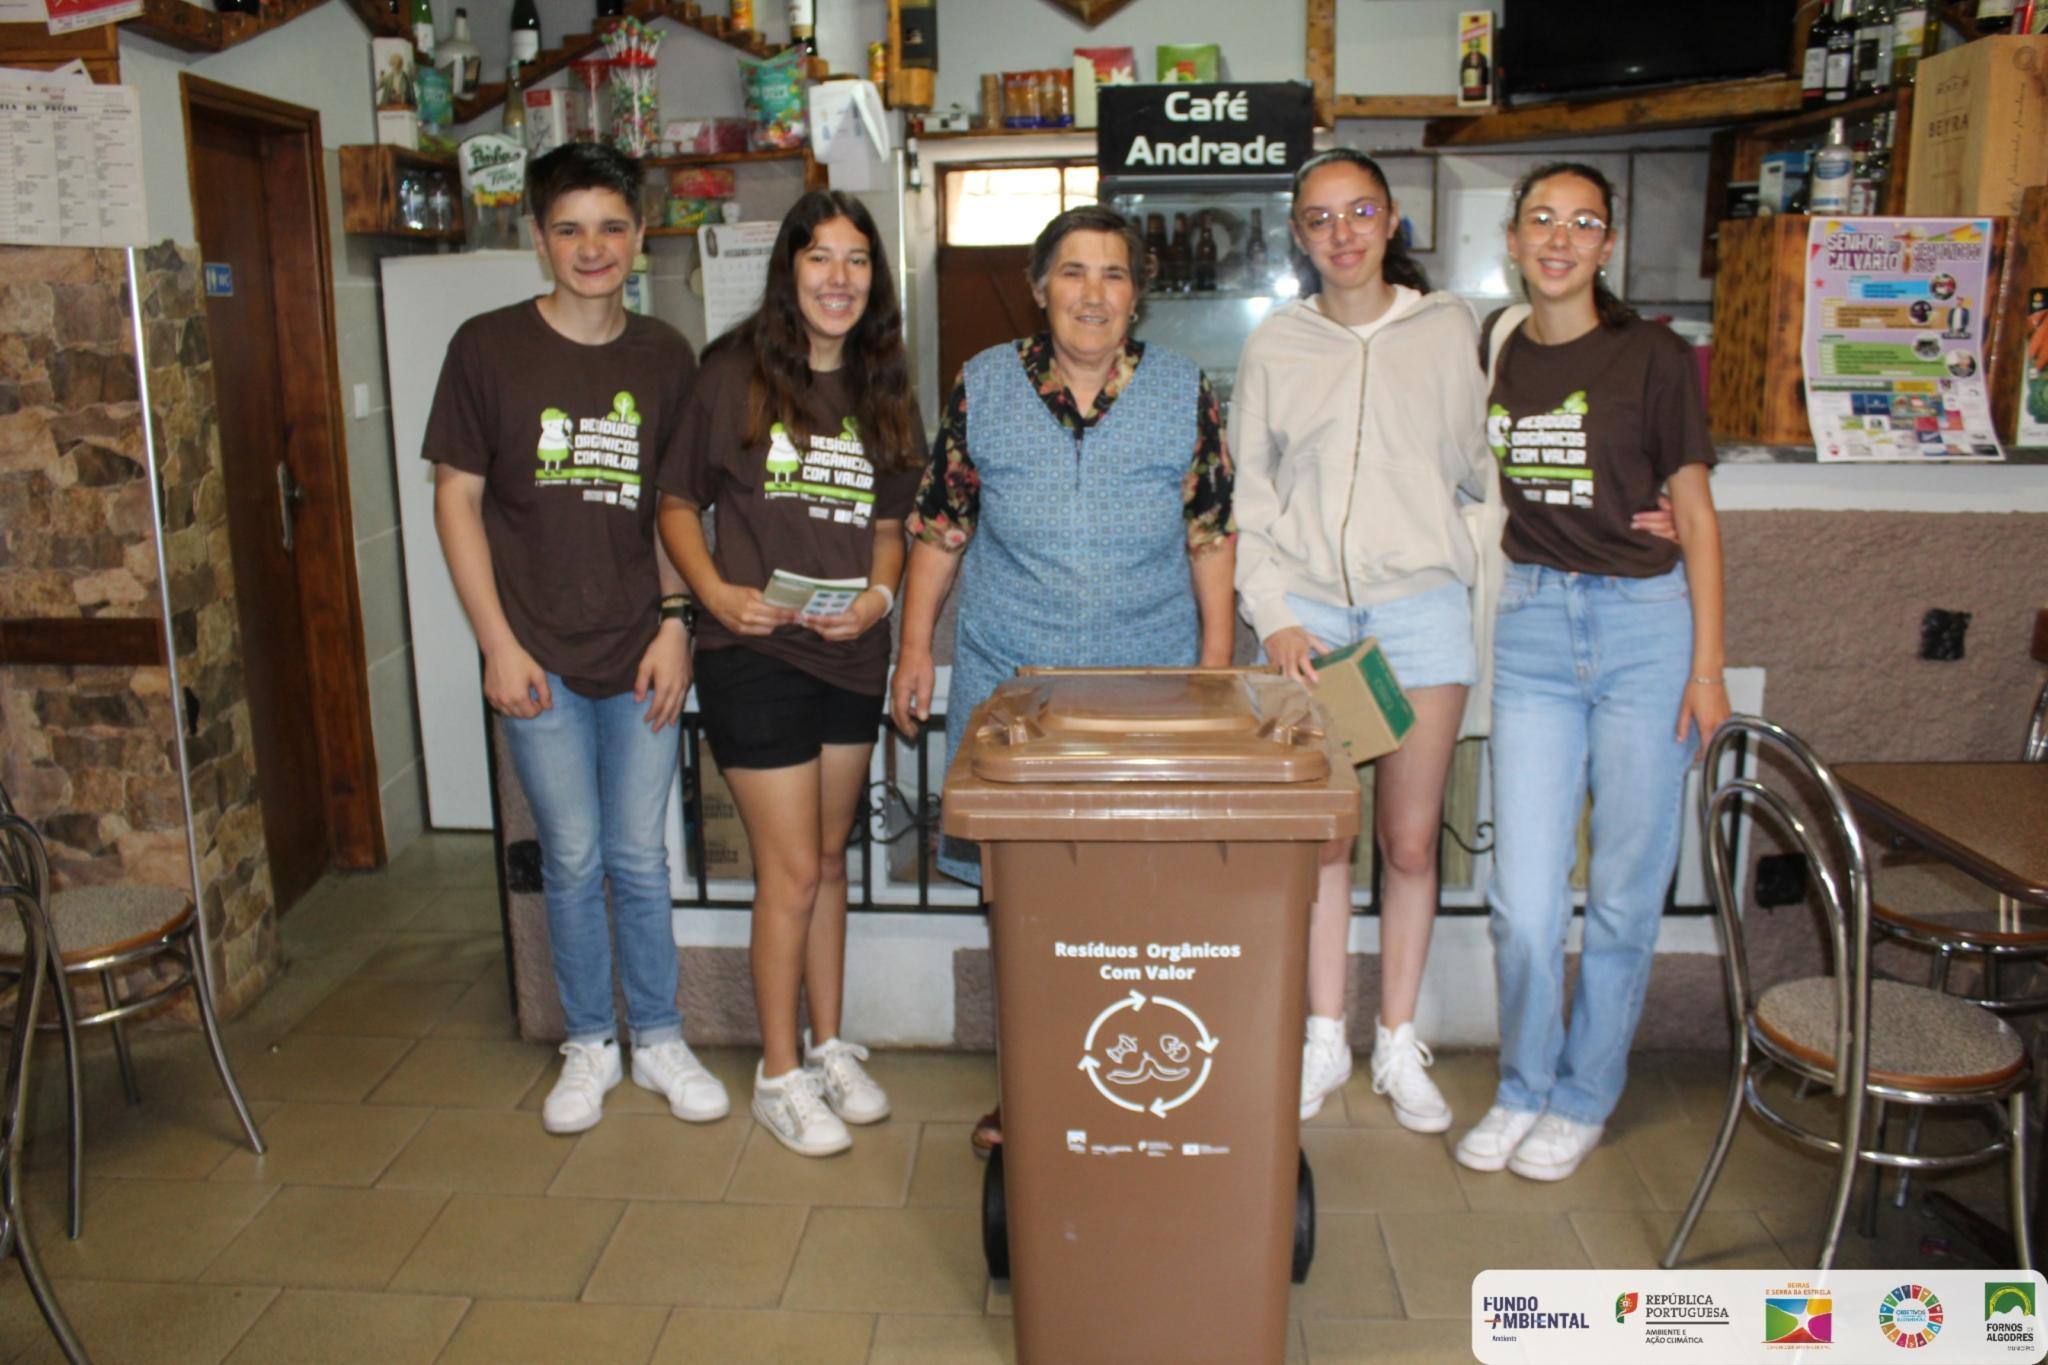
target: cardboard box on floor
726 851
1369 713
1980 128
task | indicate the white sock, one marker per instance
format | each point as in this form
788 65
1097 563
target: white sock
1322 1026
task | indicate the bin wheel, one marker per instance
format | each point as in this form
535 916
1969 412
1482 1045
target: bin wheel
1304 1220
995 1218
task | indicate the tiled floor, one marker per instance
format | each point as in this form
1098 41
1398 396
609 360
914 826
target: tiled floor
411 1208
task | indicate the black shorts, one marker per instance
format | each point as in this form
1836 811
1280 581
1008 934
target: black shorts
760 712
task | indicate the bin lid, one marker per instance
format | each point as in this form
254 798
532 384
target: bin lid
1144 725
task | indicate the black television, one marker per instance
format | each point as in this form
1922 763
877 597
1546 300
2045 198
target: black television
1571 47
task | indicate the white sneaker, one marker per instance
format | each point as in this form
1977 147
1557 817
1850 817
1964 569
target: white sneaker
671 1069
577 1101
792 1107
1554 1148
1488 1147
1398 1059
849 1090
1325 1063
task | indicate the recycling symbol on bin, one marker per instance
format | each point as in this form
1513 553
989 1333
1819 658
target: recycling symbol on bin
1148 1054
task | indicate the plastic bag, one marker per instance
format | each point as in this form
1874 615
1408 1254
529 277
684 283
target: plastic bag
775 100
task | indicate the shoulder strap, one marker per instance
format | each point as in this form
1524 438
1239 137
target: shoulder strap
1504 324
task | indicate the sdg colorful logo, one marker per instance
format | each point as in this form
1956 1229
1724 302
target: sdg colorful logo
1910 1316
1798 1321
1624 1304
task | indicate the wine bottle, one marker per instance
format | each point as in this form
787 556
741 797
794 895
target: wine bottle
1842 52
515 103
460 56
525 31
1179 262
1255 254
803 26
1205 257
1994 16
1873 46
422 21
1813 72
1914 34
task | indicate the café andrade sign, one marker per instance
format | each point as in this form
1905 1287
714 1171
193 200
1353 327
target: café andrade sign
1183 130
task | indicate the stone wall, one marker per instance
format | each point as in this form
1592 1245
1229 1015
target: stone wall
90 753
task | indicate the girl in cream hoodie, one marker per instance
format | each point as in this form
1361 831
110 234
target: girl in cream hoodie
1357 430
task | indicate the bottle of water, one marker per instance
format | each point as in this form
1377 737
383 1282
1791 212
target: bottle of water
1831 167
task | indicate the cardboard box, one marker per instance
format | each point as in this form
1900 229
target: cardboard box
1368 712
726 850
1980 128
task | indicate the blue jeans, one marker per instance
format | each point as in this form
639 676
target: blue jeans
1589 673
598 781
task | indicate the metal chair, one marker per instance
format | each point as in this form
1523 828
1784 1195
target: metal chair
120 927
34 929
1873 1043
25 863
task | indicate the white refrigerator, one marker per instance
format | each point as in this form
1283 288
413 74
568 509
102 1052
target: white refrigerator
425 299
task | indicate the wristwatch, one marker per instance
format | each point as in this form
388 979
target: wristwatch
679 606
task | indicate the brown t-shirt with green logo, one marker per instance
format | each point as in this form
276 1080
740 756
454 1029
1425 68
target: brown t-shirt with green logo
564 435
811 512
1586 434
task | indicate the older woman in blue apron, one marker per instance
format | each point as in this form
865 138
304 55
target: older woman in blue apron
1081 489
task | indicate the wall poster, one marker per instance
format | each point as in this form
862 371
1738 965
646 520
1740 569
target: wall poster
1894 339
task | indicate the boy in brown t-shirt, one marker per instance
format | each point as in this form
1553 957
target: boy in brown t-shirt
545 427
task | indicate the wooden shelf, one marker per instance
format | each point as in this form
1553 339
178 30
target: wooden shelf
954 135
193 29
726 158
369 191
1816 120
686 13
1403 106
1690 106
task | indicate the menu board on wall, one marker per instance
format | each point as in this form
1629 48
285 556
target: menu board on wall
70 162
1894 339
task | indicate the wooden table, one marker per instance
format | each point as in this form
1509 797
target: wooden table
1990 820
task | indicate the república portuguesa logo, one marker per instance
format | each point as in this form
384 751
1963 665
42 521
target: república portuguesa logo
1625 1304
2009 1314
1799 1316
1910 1316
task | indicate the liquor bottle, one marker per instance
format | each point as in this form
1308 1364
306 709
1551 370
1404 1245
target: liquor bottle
525 31
1873 46
1179 266
803 26
1255 254
1205 257
610 9
1914 35
459 55
1831 167
1813 72
1155 252
1842 52
422 21
515 103
1994 16
1475 81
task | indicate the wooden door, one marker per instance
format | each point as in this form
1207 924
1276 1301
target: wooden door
983 299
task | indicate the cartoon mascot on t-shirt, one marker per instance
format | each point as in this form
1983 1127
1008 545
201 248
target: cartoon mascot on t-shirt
554 439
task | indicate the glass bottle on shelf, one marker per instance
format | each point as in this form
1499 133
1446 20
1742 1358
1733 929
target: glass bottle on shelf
515 104
1255 254
1914 35
1874 34
1813 74
1179 267
1841 72
1155 253
460 56
1205 256
421 18
1829 187
525 31
803 31
1994 16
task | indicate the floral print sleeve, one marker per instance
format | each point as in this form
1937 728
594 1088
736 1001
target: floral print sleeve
1205 492
949 494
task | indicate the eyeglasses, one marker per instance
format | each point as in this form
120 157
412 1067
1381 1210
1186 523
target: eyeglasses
1319 222
1582 229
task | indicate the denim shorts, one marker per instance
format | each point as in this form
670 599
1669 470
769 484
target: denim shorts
1427 637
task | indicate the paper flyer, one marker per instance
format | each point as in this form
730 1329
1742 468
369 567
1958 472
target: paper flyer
2032 428
70 162
1894 339
735 265
68 16
812 597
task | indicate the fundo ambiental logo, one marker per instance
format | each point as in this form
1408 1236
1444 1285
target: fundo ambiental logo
1799 1316
1511 1313
1910 1316
2009 1313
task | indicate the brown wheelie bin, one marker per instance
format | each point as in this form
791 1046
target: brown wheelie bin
1148 842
